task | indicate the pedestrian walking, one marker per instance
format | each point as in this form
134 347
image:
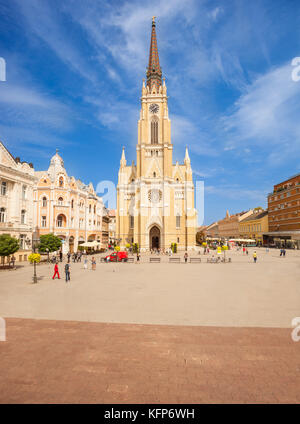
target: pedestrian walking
185 257
284 251
60 256
67 272
56 272
254 256
85 263
138 257
68 256
93 264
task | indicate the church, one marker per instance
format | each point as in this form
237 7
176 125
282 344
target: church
155 198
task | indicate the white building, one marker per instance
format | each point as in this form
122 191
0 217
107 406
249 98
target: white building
17 180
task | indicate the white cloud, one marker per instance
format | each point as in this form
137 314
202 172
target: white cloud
268 112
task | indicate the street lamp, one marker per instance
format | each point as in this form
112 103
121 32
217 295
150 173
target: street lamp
35 242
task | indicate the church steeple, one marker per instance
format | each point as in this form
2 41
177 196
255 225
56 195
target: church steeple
153 71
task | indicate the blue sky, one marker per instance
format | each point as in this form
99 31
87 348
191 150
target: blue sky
74 77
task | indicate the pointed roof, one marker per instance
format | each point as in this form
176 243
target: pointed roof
187 159
153 71
123 159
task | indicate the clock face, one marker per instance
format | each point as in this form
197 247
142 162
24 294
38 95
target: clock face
154 108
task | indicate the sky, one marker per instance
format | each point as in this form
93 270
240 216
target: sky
74 73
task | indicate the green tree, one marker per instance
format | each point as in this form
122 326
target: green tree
8 246
50 242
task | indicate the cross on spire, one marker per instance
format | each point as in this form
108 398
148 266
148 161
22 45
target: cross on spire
153 71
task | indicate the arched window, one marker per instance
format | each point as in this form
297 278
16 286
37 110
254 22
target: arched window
177 221
72 203
154 174
60 201
2 215
154 132
61 221
94 208
23 216
44 202
61 182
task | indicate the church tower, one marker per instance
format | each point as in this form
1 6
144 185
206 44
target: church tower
155 198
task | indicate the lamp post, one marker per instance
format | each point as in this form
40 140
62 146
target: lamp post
35 242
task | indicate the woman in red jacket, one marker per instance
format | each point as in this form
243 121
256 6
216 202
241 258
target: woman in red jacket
56 272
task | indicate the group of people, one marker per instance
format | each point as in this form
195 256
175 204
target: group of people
76 257
67 267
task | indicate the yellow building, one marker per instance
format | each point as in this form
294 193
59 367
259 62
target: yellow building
155 198
68 208
254 226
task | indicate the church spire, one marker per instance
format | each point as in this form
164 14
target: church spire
187 160
153 71
123 159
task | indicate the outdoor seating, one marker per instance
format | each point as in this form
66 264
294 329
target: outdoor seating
174 260
154 260
193 260
130 260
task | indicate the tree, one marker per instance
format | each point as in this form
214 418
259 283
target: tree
50 242
200 237
8 246
34 258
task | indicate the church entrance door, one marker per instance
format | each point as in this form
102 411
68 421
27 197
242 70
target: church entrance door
154 237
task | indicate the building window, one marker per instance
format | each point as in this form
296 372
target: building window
44 221
72 222
177 221
60 201
95 207
177 239
131 223
154 174
72 203
90 209
3 188
60 220
24 189
22 241
23 216
2 215
61 182
44 202
154 132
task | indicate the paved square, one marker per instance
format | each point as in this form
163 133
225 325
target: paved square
144 333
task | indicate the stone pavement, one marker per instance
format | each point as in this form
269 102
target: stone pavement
77 362
266 294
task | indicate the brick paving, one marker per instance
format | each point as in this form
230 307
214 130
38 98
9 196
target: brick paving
46 361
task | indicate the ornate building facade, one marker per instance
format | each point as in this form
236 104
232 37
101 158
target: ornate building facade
68 208
155 198
17 180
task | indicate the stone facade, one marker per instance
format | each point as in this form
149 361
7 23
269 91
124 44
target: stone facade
229 226
155 198
67 208
254 226
17 181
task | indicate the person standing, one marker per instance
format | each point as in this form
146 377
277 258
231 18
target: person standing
67 272
138 257
56 272
85 263
60 256
255 256
68 256
93 264
185 257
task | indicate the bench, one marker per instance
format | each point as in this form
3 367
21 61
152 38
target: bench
154 260
174 260
225 260
195 260
213 260
130 260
